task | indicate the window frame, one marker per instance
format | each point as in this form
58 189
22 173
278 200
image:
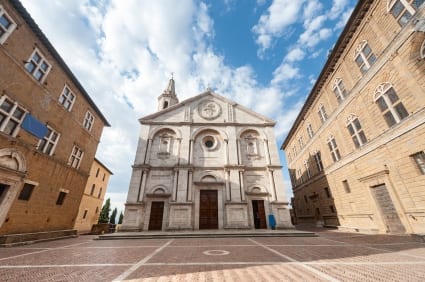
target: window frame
61 196
75 160
310 131
333 148
301 142
307 168
88 121
407 7
322 113
48 141
10 116
7 31
346 186
318 159
37 65
420 163
66 92
358 133
422 50
22 197
339 90
382 90
359 53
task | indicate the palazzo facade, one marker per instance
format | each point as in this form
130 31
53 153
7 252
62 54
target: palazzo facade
205 163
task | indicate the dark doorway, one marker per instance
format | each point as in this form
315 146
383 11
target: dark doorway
3 191
208 209
259 214
388 211
157 211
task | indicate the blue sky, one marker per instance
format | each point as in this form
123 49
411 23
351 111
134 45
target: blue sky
263 54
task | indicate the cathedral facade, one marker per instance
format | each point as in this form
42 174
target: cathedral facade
205 163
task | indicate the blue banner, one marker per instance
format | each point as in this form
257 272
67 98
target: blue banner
34 126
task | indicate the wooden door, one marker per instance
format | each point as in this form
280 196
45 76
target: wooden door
259 214
157 211
387 208
208 209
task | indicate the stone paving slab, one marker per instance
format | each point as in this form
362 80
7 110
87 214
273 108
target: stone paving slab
81 256
216 254
333 256
376 272
246 273
189 242
55 274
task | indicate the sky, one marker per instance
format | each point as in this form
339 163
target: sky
262 54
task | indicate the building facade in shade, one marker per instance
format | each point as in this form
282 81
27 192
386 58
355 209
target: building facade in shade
49 130
205 163
356 150
94 194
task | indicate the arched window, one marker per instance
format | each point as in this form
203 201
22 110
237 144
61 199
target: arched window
403 10
165 105
389 103
333 148
355 129
322 113
339 90
422 51
364 57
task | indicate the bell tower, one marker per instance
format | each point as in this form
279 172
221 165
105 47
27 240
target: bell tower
168 98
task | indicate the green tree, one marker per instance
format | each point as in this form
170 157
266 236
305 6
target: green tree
104 213
113 216
121 218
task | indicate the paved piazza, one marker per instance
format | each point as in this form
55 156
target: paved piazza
333 256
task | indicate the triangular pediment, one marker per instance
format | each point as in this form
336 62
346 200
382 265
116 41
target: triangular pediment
207 107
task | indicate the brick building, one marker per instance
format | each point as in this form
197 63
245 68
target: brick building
356 150
49 129
93 196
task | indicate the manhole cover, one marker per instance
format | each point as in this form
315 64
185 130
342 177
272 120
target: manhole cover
216 253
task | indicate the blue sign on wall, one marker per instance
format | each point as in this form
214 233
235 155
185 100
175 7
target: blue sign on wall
34 126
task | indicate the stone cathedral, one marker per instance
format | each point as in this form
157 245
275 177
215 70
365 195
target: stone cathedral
205 163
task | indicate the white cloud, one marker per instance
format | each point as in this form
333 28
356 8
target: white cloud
280 14
338 7
296 54
285 72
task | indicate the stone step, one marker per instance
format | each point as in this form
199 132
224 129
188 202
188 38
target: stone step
204 234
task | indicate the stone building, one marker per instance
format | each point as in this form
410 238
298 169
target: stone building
356 150
205 163
93 196
49 130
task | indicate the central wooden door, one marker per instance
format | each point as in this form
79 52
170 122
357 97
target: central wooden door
259 214
155 220
208 209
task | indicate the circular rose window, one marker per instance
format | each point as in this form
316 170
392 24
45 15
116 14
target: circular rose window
209 142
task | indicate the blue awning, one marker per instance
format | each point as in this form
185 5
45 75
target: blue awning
34 126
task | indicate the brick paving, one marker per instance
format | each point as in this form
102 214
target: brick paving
333 256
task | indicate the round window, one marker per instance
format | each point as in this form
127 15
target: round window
209 143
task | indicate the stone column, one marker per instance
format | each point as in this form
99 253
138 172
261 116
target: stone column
189 185
226 157
241 177
179 142
226 176
272 184
238 145
143 184
190 156
175 179
148 151
266 151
